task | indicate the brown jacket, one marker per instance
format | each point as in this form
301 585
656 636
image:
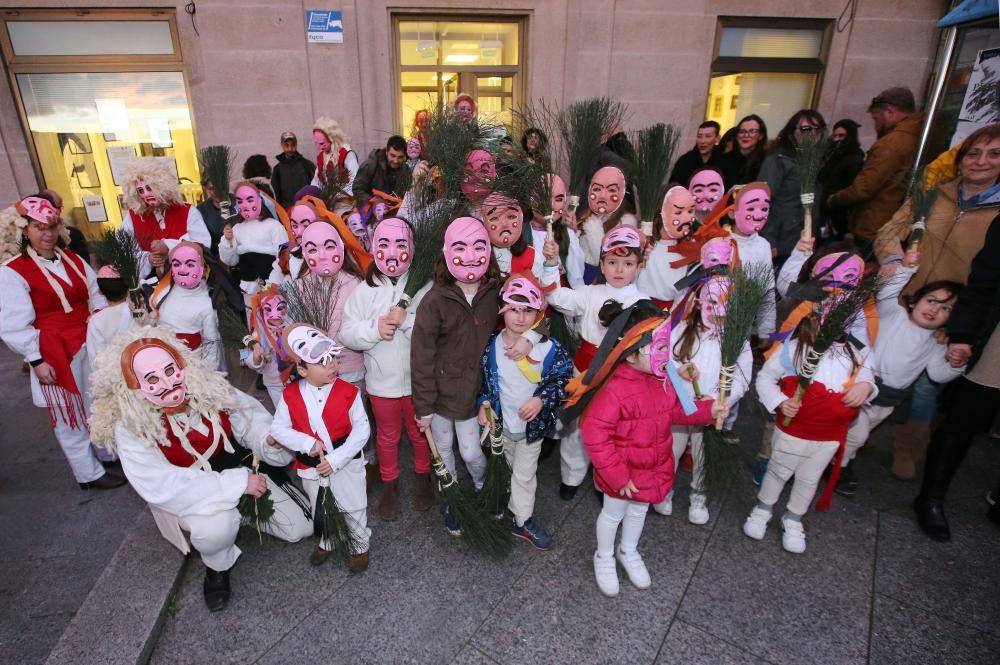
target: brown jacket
879 189
950 241
446 345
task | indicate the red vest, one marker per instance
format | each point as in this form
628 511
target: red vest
177 456
336 411
191 340
523 263
584 356
146 229
321 163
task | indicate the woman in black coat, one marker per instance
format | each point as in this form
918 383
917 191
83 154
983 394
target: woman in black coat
837 173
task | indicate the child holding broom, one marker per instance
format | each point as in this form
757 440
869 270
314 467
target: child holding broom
322 419
525 396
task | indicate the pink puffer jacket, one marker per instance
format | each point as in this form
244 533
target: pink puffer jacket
626 431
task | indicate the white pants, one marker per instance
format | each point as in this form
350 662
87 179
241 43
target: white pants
350 491
444 431
75 443
573 458
869 417
791 456
684 436
630 514
214 536
522 455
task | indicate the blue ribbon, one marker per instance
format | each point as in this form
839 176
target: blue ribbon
687 403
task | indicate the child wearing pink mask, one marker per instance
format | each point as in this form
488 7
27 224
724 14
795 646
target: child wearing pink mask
626 409
676 221
252 245
268 318
374 325
752 208
570 254
621 255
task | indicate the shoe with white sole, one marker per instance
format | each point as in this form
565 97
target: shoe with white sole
665 507
698 512
606 575
756 525
794 537
635 567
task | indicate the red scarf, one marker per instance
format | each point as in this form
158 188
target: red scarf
146 229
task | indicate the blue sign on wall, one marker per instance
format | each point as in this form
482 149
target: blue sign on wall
324 27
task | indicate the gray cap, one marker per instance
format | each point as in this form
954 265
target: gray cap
901 98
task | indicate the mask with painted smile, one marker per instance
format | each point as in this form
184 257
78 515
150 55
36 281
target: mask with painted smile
467 249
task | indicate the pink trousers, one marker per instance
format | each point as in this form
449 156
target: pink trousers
390 415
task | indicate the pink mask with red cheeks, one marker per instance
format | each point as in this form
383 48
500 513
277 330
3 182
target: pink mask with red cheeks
322 249
161 379
321 140
146 193
248 202
480 172
606 191
299 217
707 188
38 209
467 249
413 149
717 252
187 267
393 245
712 302
558 195
275 310
357 226
677 213
847 273
520 292
503 218
752 210
659 350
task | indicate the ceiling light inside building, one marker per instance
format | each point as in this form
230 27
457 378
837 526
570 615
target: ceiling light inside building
460 59
428 49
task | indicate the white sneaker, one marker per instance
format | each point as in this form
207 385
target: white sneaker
794 537
606 575
635 567
698 512
756 525
665 507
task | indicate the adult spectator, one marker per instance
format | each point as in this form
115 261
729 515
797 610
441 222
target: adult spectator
535 143
838 172
879 189
702 154
465 106
77 241
778 170
292 171
740 165
384 170
258 171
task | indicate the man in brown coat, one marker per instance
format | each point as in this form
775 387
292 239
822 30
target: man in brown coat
879 189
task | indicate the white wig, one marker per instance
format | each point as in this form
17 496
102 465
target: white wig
332 129
208 392
155 173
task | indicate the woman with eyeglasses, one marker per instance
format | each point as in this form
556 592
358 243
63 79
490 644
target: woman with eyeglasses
740 165
778 170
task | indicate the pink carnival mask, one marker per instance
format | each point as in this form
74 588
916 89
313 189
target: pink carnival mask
712 299
145 192
480 172
108 272
503 218
707 188
321 140
187 267
38 209
299 217
413 149
558 195
606 191
836 270
717 252
312 345
521 292
248 202
659 350
322 249
275 310
677 213
393 246
357 226
467 249
161 378
752 209
620 239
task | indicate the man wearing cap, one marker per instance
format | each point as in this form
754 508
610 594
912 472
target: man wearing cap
879 189
292 172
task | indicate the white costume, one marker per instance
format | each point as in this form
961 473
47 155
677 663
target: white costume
190 312
756 250
104 325
574 256
257 236
657 278
197 232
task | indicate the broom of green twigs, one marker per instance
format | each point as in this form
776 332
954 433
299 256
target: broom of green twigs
311 299
921 202
217 163
256 511
233 330
331 189
809 155
330 522
119 248
654 148
479 529
583 126
842 309
448 141
496 485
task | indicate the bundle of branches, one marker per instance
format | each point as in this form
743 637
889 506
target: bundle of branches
479 529
583 127
233 330
429 219
496 486
256 511
654 148
448 141
217 163
921 202
748 287
332 187
838 314
120 249
311 299
330 522
810 152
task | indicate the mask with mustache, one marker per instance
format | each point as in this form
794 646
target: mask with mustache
677 213
157 371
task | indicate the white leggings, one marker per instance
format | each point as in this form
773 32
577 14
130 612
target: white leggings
630 514
685 435
804 459
869 417
444 430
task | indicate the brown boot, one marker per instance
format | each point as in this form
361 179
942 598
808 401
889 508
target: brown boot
359 563
371 477
423 493
909 445
388 502
319 556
